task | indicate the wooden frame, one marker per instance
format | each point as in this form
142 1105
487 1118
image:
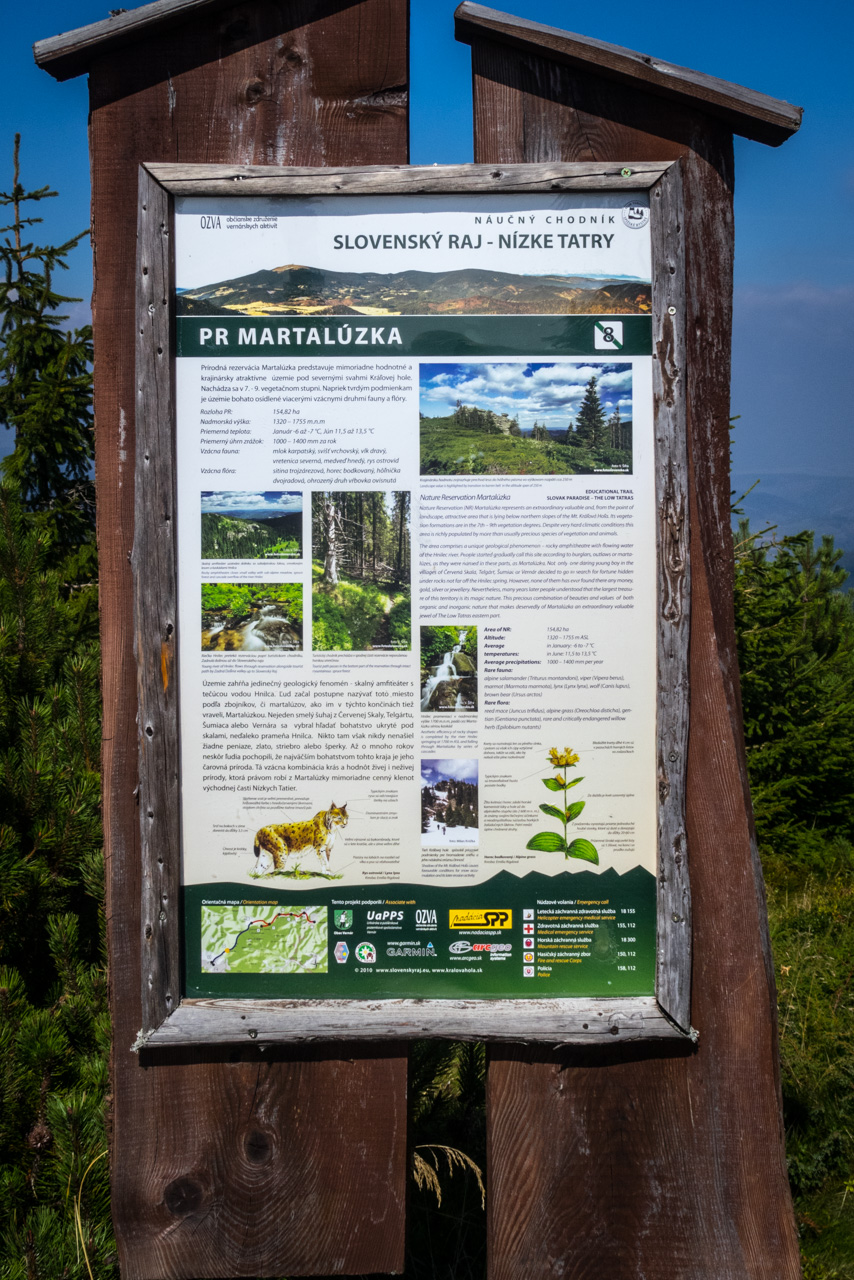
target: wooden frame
167 1019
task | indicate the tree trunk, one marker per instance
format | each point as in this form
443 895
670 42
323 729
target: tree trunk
330 536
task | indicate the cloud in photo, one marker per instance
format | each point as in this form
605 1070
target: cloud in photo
544 393
432 771
266 503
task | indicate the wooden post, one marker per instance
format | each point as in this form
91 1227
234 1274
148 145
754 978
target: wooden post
643 1161
243 1162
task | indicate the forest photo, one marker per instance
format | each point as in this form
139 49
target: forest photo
449 668
361 571
252 617
251 526
566 418
449 802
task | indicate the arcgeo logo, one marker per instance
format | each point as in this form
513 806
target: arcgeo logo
459 948
493 946
481 919
384 917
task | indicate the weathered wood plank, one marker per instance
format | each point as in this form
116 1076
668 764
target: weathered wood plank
650 1161
302 82
211 1022
746 111
71 53
248 180
298 1167
667 222
154 564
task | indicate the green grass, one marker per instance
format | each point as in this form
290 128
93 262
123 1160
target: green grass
400 622
811 912
238 597
448 449
350 615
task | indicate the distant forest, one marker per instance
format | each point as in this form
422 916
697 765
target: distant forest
235 538
361 570
478 441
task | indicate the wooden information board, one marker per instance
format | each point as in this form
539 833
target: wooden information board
411 496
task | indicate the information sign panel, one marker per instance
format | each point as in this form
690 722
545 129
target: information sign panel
428 529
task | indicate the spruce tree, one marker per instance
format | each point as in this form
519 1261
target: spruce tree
615 430
45 381
54 1025
590 423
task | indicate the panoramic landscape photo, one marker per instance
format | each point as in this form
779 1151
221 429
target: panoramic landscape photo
449 801
517 418
297 290
254 617
361 570
449 668
245 525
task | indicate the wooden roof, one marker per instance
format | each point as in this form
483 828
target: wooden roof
71 53
751 114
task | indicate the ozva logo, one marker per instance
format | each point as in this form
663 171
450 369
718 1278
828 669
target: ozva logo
481 919
366 953
460 947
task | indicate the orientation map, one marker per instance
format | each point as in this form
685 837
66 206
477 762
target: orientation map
417 589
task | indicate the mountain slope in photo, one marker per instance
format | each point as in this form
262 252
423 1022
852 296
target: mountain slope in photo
301 290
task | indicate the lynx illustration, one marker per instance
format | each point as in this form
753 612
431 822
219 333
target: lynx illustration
275 844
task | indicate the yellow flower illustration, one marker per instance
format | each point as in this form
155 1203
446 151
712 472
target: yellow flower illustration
550 841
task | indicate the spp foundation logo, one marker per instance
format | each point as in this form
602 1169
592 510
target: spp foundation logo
475 919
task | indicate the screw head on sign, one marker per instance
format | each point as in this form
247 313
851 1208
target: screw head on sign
625 173
671 311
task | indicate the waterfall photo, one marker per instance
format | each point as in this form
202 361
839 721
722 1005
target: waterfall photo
449 802
361 570
251 616
240 525
449 668
571 417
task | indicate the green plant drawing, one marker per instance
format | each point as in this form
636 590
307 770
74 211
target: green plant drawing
550 841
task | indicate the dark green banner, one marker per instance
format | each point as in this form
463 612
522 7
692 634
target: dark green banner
573 934
247 337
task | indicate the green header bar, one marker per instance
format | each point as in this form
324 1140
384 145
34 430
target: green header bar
248 337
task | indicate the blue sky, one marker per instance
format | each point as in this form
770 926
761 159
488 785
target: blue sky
550 394
794 298
241 502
